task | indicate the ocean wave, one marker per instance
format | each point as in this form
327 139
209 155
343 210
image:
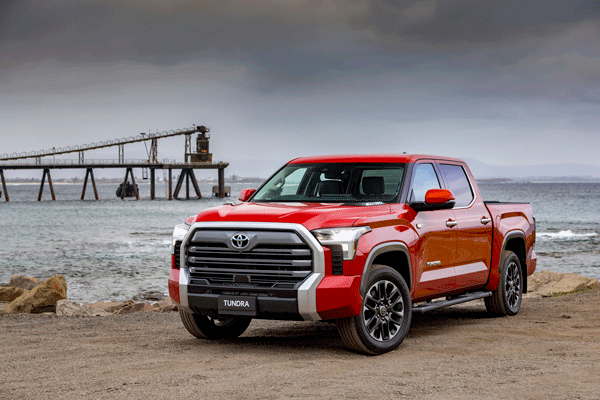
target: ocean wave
565 235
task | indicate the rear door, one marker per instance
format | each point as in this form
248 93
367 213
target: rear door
474 229
436 246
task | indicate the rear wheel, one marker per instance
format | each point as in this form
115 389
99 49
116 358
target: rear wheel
385 316
506 300
205 327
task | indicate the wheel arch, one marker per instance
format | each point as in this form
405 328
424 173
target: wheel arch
515 241
393 254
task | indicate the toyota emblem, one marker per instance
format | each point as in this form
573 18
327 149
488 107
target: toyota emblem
240 241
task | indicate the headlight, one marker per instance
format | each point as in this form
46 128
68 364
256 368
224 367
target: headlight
346 237
179 233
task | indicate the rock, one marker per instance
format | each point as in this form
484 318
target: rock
152 295
65 308
40 299
547 283
165 305
10 293
24 282
130 307
108 306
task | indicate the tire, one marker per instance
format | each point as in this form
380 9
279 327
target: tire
385 316
506 299
204 327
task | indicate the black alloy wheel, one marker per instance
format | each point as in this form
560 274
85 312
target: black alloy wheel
507 298
205 327
385 316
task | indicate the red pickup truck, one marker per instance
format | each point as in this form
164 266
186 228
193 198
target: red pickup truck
363 240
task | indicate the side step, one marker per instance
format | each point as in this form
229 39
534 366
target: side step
450 301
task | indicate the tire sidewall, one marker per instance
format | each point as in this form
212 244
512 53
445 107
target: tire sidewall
508 259
380 274
205 327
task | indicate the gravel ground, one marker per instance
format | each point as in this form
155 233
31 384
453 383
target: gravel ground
550 350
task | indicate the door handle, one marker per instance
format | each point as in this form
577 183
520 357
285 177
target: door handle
486 221
451 223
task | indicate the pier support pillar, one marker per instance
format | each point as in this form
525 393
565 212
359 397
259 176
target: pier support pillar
187 174
4 190
182 176
152 171
46 172
222 182
170 184
187 186
89 172
124 185
195 183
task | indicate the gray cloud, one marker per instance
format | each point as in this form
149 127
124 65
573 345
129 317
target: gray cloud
303 72
251 30
494 45
454 24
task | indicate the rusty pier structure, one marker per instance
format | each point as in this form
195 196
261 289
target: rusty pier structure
195 158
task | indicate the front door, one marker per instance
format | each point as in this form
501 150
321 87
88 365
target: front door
436 246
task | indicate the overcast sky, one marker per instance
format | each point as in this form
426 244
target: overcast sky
503 82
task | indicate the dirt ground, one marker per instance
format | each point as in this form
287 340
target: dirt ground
550 350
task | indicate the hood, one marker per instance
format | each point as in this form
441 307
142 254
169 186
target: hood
311 215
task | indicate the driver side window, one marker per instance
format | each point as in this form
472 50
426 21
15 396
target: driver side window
424 178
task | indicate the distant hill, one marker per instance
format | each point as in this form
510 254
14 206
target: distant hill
562 172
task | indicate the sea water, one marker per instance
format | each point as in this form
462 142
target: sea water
113 249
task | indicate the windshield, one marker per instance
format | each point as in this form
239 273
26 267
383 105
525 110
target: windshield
339 183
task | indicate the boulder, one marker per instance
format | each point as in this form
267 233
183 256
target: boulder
9 293
547 283
108 306
152 295
40 299
66 308
24 282
165 305
130 307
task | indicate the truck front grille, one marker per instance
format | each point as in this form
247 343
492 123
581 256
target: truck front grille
272 259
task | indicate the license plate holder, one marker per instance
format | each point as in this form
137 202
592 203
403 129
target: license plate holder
244 306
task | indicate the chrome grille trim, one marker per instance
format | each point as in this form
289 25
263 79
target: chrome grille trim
307 303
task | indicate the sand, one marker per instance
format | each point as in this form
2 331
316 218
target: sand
550 350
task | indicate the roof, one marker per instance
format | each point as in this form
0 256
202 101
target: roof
371 158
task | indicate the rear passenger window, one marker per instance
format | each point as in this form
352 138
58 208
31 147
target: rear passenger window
458 183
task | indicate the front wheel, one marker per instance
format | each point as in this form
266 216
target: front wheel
506 299
205 327
385 316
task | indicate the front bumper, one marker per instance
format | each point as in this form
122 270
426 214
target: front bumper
316 297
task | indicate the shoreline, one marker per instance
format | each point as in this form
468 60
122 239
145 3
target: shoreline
31 295
571 282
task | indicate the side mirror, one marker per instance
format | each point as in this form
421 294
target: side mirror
245 194
435 199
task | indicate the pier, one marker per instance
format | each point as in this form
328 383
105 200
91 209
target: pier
194 159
